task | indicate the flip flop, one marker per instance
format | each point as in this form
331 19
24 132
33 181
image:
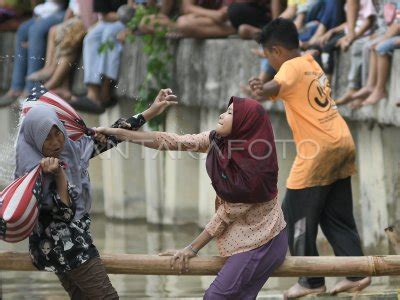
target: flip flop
85 104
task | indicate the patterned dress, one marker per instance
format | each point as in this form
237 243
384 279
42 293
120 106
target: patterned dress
59 243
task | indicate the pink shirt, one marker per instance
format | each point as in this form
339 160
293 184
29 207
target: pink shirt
237 227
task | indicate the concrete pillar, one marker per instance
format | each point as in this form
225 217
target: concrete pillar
123 172
391 167
285 149
181 170
373 191
208 121
154 183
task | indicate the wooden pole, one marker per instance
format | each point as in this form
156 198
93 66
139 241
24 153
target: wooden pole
139 264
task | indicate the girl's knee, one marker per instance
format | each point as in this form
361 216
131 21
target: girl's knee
246 31
187 24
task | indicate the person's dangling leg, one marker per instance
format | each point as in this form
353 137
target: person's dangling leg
37 41
51 63
20 65
302 209
354 76
384 52
365 91
110 61
339 227
92 73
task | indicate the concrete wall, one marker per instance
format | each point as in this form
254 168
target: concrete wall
171 188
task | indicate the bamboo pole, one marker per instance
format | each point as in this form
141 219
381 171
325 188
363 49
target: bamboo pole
139 264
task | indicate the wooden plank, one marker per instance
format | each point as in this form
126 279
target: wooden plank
292 267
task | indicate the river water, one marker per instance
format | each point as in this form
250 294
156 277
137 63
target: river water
139 237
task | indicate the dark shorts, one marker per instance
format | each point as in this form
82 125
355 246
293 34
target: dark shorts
88 281
248 13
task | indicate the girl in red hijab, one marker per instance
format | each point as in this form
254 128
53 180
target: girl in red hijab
248 224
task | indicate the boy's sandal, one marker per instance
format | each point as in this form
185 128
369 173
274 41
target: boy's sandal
85 104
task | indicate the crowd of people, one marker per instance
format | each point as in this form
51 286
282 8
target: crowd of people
48 44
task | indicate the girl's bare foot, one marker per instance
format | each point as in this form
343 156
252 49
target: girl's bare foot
346 98
363 92
375 97
350 286
297 291
41 75
398 103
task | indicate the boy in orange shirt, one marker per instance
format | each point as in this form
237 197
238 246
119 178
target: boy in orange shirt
319 184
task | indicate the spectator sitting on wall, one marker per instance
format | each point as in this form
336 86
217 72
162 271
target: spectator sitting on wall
101 68
63 47
30 47
363 28
204 19
379 52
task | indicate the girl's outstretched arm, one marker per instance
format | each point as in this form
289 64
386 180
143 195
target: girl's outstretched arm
164 99
161 140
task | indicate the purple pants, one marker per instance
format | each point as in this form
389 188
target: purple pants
244 274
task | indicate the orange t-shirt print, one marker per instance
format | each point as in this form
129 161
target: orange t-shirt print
325 147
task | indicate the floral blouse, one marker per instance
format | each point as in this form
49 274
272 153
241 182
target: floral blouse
59 243
237 227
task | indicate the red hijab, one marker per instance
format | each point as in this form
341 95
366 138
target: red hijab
243 166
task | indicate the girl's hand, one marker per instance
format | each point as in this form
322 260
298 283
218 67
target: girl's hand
164 99
101 138
51 165
180 258
106 131
256 87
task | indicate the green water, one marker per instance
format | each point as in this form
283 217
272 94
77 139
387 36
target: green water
140 238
